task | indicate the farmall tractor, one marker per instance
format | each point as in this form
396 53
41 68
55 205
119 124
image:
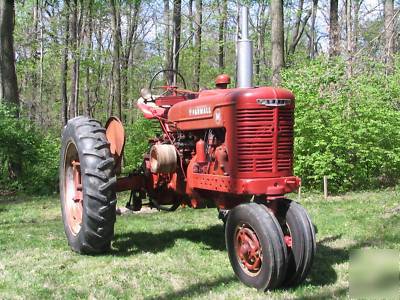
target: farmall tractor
232 147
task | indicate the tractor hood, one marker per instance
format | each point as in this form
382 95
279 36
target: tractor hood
208 109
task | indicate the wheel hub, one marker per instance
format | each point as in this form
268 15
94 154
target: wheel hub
248 249
288 241
73 195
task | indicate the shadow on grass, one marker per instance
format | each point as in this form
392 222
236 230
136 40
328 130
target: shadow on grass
126 244
131 243
322 271
196 289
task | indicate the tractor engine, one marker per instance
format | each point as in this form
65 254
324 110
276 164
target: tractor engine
239 143
225 144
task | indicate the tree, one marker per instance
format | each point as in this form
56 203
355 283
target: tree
389 35
8 77
261 27
191 29
197 43
116 30
312 48
176 44
128 48
334 42
88 45
64 67
298 27
221 34
167 31
277 40
73 105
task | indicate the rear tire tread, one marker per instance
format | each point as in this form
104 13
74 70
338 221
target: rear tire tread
98 179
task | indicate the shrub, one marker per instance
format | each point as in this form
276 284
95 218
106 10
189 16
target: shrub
28 158
137 137
347 129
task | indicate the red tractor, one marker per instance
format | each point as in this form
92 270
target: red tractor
230 147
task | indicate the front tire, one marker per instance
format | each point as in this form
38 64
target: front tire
299 235
87 181
255 245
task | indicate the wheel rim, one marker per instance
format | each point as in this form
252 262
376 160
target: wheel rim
73 196
287 237
248 249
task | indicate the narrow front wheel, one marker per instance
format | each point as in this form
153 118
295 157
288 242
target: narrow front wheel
256 247
300 239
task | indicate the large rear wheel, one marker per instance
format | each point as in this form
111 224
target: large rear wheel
87 186
255 245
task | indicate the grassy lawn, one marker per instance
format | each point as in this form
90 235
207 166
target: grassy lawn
178 255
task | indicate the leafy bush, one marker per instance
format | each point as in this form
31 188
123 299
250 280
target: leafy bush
28 158
347 129
137 137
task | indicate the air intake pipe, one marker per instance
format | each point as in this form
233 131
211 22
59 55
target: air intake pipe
244 53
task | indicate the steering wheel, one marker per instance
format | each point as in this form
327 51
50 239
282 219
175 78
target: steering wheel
168 76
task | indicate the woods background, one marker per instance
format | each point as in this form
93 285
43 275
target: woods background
60 59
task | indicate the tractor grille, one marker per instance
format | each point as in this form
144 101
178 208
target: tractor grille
260 149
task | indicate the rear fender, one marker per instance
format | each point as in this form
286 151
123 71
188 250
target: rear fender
115 134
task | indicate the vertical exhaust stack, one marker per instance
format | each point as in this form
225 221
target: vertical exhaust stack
244 59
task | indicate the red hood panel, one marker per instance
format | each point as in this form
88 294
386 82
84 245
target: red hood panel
203 107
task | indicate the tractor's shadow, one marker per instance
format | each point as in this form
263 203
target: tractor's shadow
331 251
322 271
212 238
131 243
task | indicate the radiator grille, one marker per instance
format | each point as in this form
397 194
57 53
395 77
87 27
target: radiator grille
255 139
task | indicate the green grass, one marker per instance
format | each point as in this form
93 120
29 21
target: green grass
178 255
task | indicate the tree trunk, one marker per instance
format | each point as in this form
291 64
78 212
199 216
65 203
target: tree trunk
389 35
349 32
349 25
73 41
296 39
260 29
116 29
313 47
177 37
8 76
167 32
221 35
64 67
41 106
277 40
334 41
110 105
296 27
89 48
129 47
197 43
191 19
8 83
356 23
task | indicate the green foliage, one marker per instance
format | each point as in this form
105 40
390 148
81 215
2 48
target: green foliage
137 138
346 128
28 158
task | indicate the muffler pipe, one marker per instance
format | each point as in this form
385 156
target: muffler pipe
244 53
